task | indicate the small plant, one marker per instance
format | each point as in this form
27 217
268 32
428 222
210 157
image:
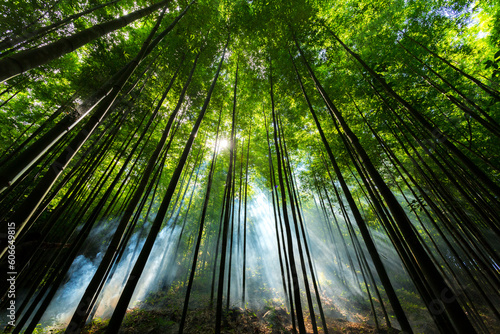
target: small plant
38 329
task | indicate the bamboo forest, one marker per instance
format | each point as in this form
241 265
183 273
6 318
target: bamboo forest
217 166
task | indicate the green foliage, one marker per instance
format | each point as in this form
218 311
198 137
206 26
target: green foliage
395 38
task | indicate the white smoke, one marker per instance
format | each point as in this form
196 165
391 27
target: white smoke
85 265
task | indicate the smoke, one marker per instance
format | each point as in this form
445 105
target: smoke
85 265
263 277
335 263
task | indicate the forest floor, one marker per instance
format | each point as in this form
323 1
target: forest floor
161 313
267 320
162 316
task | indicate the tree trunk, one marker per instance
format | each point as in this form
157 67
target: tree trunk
86 302
437 283
26 36
227 213
200 232
10 173
26 60
121 307
295 279
391 294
